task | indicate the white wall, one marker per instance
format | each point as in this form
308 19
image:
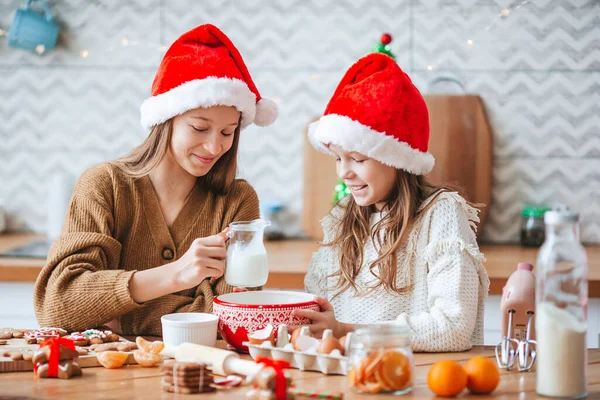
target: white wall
537 71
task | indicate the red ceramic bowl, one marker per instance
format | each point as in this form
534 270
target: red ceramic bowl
244 313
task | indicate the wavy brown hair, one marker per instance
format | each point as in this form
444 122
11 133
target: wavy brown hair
146 157
389 235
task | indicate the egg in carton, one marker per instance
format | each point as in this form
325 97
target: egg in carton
301 350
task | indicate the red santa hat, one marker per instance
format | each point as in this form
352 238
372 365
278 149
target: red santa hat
202 69
377 111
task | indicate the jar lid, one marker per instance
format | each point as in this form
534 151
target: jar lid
535 211
393 334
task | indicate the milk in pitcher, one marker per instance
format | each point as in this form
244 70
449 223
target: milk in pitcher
246 264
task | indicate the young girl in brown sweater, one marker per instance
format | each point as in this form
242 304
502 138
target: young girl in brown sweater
144 235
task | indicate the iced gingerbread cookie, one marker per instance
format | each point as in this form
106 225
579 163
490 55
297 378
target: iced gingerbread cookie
38 335
96 336
78 338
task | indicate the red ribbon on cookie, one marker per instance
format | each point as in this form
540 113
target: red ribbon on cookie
54 359
280 382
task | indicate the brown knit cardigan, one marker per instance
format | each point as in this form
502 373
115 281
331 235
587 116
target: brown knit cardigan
115 227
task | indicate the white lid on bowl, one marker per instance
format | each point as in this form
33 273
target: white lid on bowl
189 319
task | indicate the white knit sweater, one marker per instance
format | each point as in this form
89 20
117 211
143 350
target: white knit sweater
445 309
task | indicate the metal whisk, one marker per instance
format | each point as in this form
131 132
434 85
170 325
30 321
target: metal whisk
511 350
527 348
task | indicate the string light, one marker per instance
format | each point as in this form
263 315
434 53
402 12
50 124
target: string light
124 41
162 49
503 14
85 53
40 49
314 77
277 100
2 32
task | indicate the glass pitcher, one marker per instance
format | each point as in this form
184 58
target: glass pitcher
246 264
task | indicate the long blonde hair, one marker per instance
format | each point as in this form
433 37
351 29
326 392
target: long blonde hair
389 235
146 157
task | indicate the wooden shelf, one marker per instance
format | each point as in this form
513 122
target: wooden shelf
288 263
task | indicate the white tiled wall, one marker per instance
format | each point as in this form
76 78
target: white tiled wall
537 71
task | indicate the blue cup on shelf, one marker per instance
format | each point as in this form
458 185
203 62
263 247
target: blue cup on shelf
33 31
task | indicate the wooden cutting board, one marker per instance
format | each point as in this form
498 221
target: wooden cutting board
460 140
9 365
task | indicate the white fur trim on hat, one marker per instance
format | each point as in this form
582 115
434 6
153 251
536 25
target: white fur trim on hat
266 112
353 136
207 92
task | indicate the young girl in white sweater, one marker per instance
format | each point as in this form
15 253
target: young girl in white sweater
398 249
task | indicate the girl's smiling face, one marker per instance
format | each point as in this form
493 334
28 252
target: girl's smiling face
201 136
370 181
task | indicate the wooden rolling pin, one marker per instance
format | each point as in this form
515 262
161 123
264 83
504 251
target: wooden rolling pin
222 362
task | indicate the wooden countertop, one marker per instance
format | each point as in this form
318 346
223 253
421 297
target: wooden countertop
135 382
288 262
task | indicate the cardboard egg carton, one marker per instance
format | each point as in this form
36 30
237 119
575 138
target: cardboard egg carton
308 360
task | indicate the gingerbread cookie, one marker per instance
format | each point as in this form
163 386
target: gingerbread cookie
185 368
82 351
114 346
38 335
10 333
42 354
18 334
265 378
78 338
17 355
198 380
186 390
96 336
186 378
66 369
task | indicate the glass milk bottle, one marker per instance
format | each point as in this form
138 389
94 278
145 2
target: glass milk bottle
246 264
561 308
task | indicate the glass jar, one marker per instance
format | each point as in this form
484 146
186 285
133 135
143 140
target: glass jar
561 309
532 226
381 360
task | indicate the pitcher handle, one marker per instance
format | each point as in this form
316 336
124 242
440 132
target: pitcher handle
49 16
